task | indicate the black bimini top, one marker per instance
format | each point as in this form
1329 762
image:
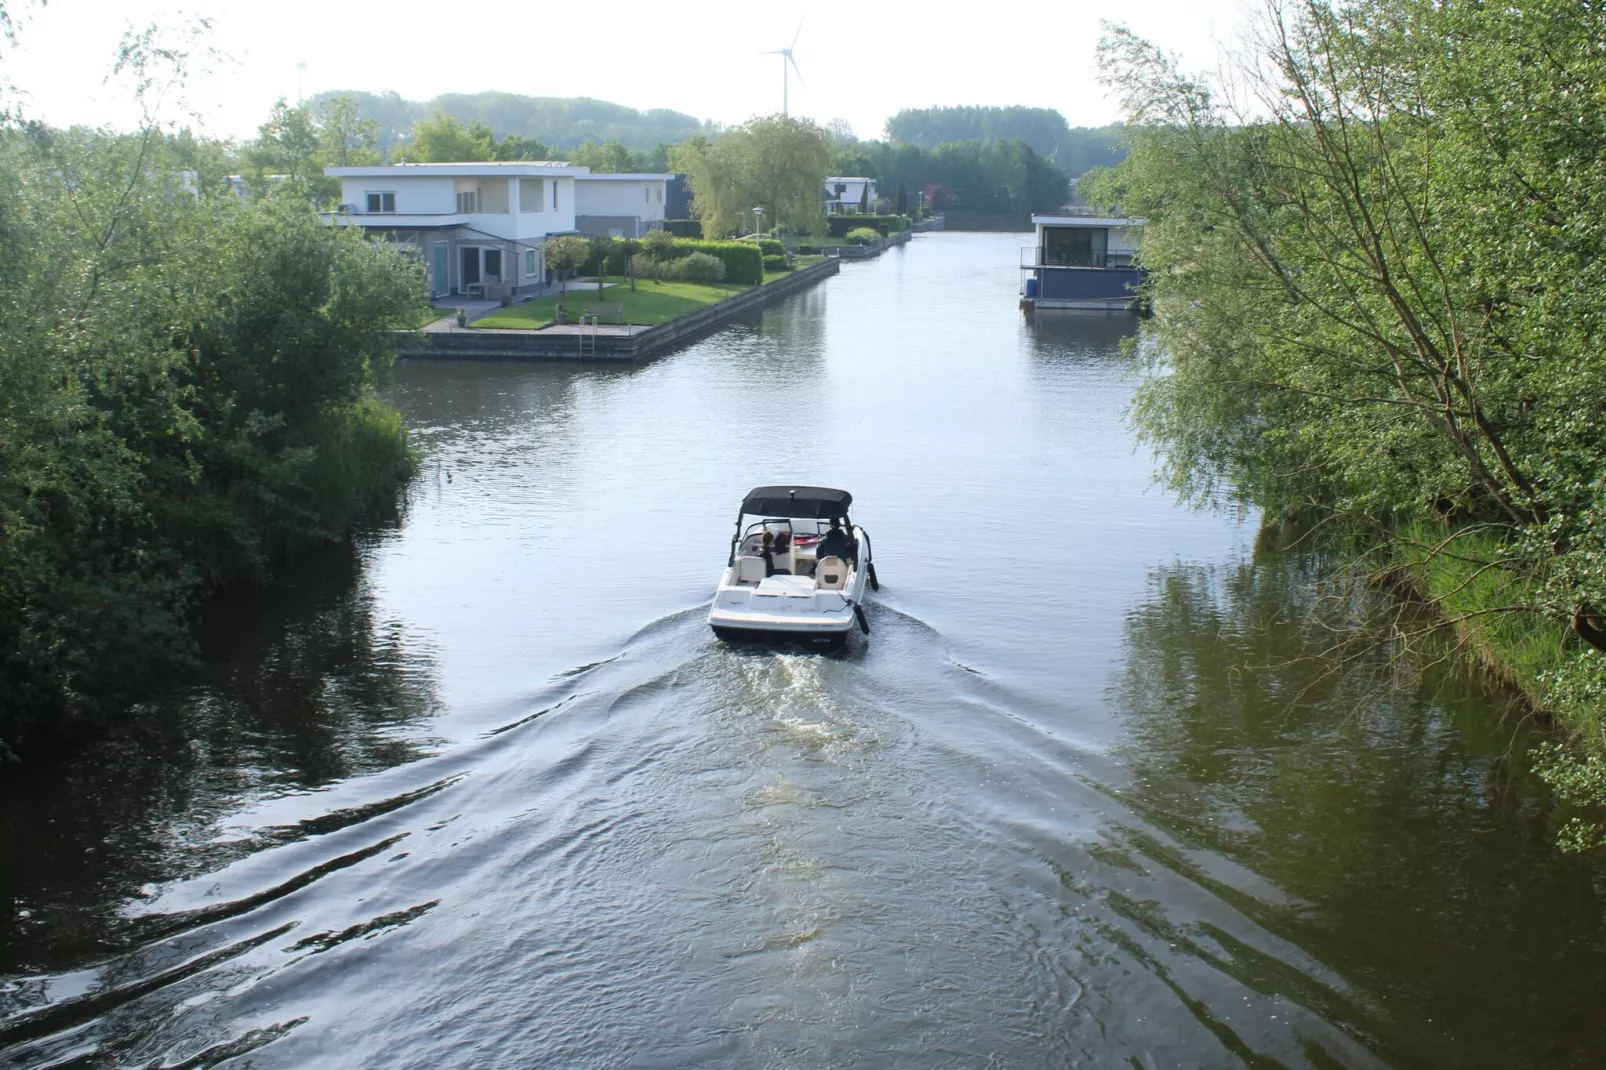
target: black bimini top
818 503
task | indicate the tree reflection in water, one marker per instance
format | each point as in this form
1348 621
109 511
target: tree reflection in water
303 686
1396 822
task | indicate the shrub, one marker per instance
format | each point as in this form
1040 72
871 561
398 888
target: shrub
883 224
743 261
684 228
643 266
769 246
776 263
659 243
862 235
693 267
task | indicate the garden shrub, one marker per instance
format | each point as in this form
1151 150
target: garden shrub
862 236
768 246
883 224
659 243
776 263
693 267
643 266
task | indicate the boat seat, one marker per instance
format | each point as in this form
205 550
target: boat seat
831 574
749 569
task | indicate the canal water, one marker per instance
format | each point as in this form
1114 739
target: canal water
484 791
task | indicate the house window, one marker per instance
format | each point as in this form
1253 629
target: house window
532 197
647 195
381 204
529 263
660 196
493 264
468 201
841 188
554 195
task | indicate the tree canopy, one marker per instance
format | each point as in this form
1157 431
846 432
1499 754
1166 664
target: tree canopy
777 163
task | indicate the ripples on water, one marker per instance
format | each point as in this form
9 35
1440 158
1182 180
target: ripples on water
488 794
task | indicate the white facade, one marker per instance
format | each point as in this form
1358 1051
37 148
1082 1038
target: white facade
846 195
1115 239
480 228
622 206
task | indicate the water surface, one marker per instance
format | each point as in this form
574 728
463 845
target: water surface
486 792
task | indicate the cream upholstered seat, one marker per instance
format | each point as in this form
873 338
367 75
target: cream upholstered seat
831 574
750 569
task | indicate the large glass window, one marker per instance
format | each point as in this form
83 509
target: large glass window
382 203
493 265
468 200
1075 246
532 195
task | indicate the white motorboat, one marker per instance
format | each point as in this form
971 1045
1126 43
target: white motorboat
797 570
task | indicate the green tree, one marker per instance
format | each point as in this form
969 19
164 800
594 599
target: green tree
1380 297
442 138
777 163
518 147
186 387
345 138
564 256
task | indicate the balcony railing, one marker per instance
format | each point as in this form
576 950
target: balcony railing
1033 257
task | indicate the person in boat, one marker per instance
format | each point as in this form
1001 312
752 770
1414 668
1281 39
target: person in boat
767 550
835 543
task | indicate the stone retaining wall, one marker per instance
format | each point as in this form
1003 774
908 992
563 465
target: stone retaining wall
495 344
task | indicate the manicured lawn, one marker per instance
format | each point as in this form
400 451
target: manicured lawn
652 302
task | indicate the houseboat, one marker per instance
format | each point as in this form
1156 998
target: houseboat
1082 260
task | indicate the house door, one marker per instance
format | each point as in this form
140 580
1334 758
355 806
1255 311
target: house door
440 260
469 264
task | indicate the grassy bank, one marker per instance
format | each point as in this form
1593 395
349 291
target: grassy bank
651 302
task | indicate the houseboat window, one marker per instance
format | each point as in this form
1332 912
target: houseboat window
382 204
1075 246
468 200
532 197
493 264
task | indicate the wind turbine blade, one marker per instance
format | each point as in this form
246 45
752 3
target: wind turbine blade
799 33
798 69
774 52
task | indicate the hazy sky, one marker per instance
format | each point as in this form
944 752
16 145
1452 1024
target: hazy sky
699 58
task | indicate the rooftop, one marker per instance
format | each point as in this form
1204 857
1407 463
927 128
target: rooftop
463 170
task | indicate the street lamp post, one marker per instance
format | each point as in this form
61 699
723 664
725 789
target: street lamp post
758 220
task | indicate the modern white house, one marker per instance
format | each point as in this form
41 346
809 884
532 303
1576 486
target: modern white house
846 195
481 228
1083 260
620 206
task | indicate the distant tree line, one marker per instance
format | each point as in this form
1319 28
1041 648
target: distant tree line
561 122
1074 149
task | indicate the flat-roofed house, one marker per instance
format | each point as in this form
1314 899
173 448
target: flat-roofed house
1083 259
620 206
846 195
480 228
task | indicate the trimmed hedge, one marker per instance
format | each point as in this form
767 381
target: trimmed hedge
776 263
881 224
768 246
684 228
862 236
743 260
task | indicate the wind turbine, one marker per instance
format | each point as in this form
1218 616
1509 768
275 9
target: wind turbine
786 58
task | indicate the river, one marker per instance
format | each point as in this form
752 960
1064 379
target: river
484 791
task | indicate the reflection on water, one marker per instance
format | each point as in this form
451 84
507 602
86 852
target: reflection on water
1383 799
487 793
305 685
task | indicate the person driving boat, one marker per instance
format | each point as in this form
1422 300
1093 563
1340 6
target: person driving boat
835 543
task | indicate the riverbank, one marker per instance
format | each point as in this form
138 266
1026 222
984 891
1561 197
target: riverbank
606 343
